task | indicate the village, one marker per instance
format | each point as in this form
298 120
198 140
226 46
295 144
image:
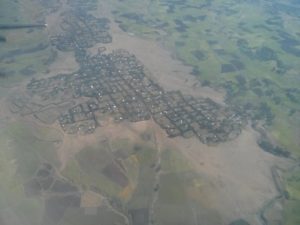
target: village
81 30
116 84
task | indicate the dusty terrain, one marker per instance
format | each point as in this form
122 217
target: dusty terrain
238 174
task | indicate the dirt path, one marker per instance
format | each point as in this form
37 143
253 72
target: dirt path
156 183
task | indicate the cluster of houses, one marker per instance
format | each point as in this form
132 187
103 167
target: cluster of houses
116 84
81 30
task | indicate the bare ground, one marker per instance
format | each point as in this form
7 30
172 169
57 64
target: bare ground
72 144
237 174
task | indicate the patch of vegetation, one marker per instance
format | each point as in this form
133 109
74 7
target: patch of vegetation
275 150
293 184
134 160
31 145
2 39
292 204
291 212
86 170
172 189
173 161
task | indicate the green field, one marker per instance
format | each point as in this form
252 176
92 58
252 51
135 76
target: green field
86 170
291 212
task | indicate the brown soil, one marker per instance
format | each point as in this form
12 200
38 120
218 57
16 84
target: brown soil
91 199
